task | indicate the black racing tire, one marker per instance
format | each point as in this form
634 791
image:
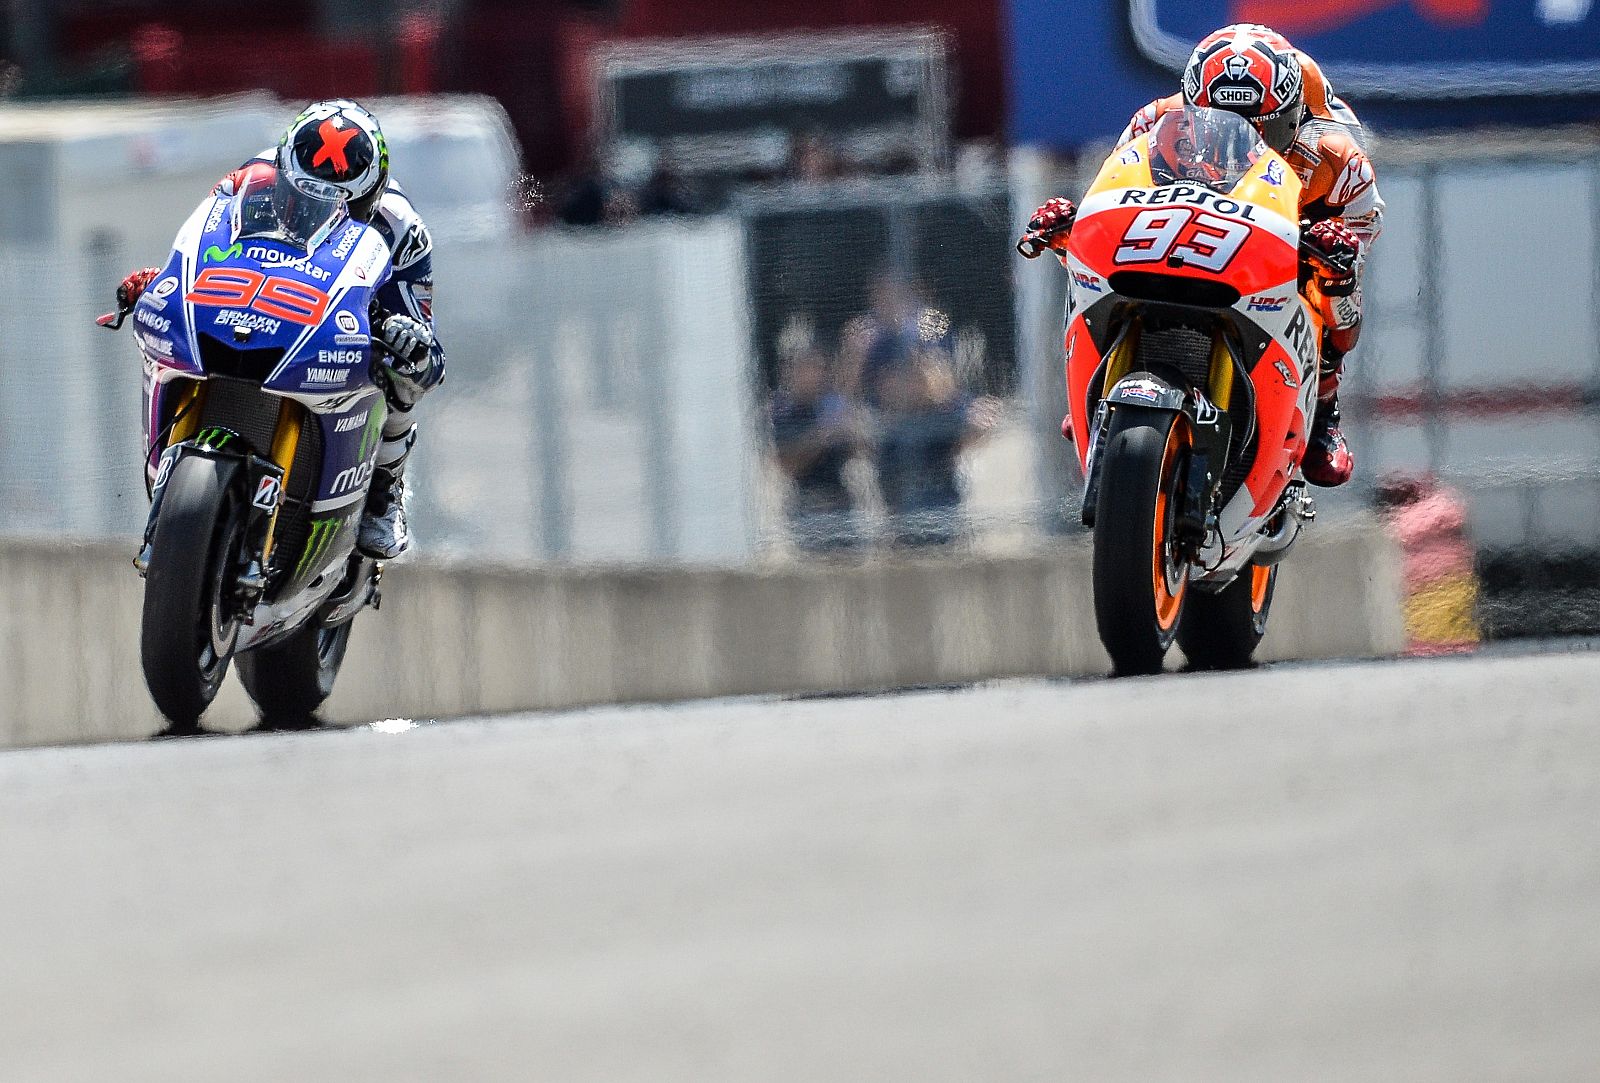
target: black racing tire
290 679
1140 585
188 631
1221 630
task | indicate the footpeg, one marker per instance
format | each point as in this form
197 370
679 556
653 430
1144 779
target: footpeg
1295 510
252 584
1300 497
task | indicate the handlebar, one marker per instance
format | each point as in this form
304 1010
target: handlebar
112 321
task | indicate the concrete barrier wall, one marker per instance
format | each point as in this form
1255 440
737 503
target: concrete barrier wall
458 640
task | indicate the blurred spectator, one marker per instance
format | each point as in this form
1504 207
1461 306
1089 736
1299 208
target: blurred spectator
813 158
889 336
10 78
583 197
1429 520
927 422
591 198
668 192
595 197
817 430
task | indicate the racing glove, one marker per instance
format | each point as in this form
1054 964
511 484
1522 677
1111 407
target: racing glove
134 285
232 182
1334 252
1050 227
410 342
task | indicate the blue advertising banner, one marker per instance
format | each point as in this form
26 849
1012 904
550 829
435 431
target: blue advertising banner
1080 69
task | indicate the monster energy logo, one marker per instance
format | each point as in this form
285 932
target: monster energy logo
214 254
369 435
215 439
322 535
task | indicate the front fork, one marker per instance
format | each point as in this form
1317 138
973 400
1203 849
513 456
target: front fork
262 483
1210 425
1211 430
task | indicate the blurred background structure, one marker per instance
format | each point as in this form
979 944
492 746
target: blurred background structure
725 283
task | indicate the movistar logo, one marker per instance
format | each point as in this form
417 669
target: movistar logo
214 254
322 535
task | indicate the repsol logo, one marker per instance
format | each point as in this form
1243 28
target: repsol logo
351 480
1193 197
1302 338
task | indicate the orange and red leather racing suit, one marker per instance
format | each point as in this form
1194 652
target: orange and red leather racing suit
1330 158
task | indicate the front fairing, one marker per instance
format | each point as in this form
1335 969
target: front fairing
1231 250
1246 237
219 297
257 309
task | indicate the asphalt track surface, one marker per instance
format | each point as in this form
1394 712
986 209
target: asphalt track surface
1384 871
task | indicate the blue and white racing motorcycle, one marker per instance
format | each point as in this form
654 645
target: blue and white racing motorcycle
263 410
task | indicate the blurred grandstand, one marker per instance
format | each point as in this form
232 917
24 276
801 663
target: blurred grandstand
645 210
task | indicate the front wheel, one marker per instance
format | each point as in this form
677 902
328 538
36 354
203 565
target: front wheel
1221 630
289 679
189 624
1140 580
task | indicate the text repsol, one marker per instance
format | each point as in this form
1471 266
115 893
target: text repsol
1303 339
1194 197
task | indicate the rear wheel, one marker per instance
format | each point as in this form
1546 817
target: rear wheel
1221 630
289 679
189 624
1140 582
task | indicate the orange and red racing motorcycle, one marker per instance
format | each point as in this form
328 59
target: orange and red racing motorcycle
1191 362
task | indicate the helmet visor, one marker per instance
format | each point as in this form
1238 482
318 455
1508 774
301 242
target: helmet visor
299 211
1212 147
1279 129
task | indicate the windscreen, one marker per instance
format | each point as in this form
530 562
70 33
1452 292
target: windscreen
300 212
1203 146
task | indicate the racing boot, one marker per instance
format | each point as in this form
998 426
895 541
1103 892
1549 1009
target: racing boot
1328 460
384 533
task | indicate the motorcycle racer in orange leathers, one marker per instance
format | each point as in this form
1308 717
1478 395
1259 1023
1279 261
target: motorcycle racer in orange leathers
1253 71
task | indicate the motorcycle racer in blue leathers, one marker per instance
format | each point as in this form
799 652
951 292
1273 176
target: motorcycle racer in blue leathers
340 142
